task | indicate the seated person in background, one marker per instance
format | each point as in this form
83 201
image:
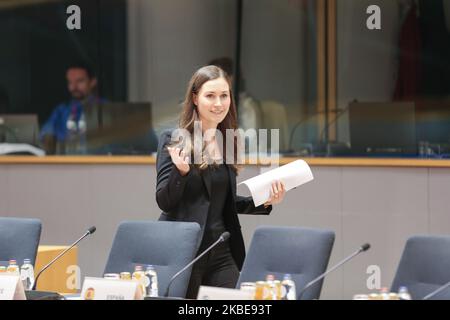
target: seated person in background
67 123
73 125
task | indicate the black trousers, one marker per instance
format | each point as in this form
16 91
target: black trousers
216 268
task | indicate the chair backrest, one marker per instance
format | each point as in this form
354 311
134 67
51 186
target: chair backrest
301 252
168 246
424 266
19 239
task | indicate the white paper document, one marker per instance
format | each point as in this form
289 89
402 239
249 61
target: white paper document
7 148
292 175
11 287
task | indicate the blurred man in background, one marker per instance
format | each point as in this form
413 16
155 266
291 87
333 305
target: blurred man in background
65 130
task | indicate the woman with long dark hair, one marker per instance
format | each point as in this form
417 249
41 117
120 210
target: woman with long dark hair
204 190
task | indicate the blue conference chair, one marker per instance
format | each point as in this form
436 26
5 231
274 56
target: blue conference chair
19 239
168 246
301 252
424 266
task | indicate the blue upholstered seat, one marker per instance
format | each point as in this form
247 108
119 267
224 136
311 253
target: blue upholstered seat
19 239
424 266
301 252
168 246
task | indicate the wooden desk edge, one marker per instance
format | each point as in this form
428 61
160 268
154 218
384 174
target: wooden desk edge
44 247
151 160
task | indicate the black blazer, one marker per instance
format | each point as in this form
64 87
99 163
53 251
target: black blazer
187 198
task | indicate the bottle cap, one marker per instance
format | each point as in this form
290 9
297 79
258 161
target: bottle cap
70 125
82 125
270 277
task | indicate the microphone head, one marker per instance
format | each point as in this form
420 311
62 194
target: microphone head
91 230
224 236
365 247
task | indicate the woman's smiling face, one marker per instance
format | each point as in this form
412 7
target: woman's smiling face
213 102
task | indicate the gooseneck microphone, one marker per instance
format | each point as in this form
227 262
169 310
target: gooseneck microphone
91 230
223 237
435 292
363 248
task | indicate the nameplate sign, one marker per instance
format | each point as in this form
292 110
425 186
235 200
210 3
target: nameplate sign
215 293
110 289
11 288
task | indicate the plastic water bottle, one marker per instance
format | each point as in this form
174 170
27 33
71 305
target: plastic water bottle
269 292
13 268
139 276
288 288
27 274
403 293
82 127
384 293
277 289
76 135
151 282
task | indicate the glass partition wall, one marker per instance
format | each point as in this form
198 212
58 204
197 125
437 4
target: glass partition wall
393 78
337 78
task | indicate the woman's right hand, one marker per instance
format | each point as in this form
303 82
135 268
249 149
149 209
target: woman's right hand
180 160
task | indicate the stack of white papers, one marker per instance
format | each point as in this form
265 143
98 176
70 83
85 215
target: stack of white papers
292 175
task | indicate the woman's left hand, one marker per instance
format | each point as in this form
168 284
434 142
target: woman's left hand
277 193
